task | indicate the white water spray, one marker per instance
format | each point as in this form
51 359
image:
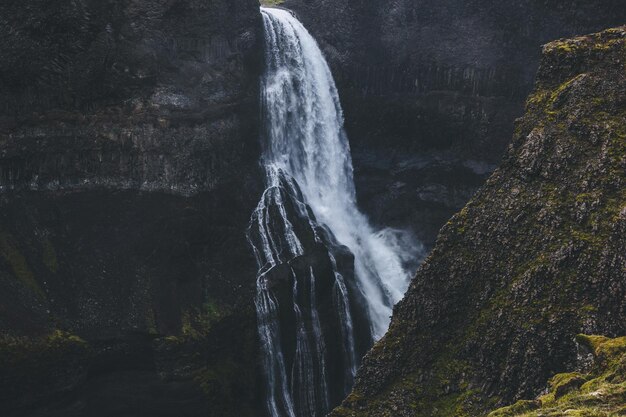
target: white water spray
307 141
307 160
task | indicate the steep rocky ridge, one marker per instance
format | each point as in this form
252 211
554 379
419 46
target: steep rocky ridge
536 257
128 172
431 88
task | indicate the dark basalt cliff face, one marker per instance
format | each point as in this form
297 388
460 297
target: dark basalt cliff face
431 88
536 257
144 95
128 171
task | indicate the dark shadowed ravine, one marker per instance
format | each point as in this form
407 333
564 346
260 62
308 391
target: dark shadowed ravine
215 208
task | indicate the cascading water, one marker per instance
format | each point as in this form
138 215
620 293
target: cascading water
327 280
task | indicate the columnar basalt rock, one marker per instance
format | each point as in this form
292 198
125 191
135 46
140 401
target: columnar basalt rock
533 259
128 169
128 94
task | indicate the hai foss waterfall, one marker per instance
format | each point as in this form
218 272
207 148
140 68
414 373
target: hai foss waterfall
327 281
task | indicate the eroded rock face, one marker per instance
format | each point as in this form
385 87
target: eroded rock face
535 257
314 326
128 172
431 88
128 94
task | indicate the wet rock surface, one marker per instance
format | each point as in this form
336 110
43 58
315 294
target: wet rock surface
313 295
533 259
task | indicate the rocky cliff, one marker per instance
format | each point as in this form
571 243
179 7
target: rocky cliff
128 135
599 389
431 88
145 95
536 257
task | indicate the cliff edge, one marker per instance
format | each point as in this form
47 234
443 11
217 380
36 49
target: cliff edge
536 257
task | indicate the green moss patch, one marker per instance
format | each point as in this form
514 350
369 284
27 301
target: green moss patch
599 393
271 3
17 351
11 254
49 256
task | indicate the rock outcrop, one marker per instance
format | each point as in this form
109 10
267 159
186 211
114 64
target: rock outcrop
536 257
599 390
431 88
128 172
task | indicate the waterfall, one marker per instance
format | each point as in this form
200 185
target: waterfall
312 244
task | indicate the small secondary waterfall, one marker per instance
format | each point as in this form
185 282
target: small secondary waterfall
327 280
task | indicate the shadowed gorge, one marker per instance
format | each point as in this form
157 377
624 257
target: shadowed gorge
216 207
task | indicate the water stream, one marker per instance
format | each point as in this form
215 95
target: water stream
307 232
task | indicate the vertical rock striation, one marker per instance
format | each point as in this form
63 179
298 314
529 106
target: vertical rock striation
128 166
127 94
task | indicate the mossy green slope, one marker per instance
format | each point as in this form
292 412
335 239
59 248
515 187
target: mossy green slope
271 3
601 392
536 257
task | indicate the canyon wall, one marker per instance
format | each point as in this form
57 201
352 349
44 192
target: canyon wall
129 169
535 258
128 172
